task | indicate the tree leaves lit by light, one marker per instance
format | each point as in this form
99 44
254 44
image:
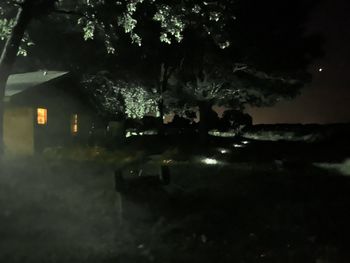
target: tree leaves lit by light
6 26
23 48
196 9
136 39
225 44
128 22
109 46
131 6
104 93
172 24
88 28
121 97
214 16
104 19
139 102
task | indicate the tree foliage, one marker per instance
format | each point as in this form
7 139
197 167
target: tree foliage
233 87
139 101
6 25
120 98
104 94
267 59
108 20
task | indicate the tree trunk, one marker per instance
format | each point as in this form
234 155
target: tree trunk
161 116
7 60
164 77
205 117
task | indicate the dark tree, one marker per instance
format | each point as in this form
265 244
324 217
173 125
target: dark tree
265 59
235 119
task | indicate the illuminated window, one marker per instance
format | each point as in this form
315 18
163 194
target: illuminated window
74 123
41 116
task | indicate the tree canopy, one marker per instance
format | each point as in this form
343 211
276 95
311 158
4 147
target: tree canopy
120 98
261 64
230 53
267 59
110 20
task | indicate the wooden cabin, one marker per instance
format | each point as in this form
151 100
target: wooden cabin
44 109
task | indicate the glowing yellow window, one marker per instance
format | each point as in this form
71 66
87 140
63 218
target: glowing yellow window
41 116
74 124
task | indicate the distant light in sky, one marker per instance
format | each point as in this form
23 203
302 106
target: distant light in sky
320 69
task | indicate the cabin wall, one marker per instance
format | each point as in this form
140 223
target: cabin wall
19 131
59 131
55 132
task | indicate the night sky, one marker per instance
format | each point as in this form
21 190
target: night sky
327 99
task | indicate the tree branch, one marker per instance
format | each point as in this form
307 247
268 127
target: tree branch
260 74
239 67
18 3
68 12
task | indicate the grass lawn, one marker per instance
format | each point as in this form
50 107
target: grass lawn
245 214
253 208
56 211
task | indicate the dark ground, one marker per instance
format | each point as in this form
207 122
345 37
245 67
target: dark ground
264 203
55 211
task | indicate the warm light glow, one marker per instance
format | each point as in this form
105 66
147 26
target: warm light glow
41 116
210 161
168 161
74 124
223 150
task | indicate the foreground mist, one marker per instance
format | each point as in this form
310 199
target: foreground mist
55 209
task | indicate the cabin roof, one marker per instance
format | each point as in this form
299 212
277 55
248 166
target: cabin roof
18 83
